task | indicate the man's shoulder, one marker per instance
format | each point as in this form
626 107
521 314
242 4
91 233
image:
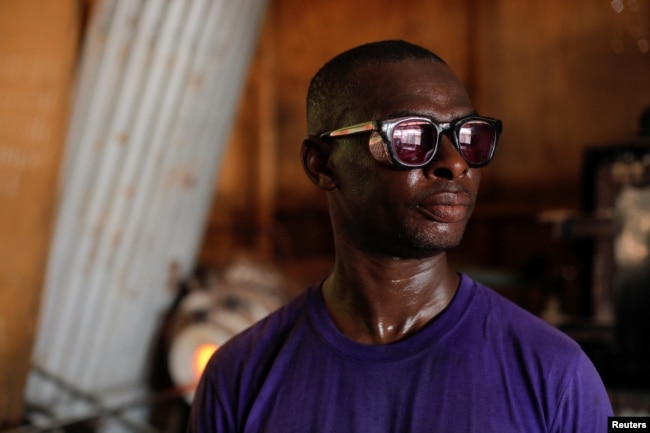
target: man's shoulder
261 338
540 361
510 322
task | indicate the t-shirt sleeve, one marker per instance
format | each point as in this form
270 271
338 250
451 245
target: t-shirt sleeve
583 404
210 411
232 377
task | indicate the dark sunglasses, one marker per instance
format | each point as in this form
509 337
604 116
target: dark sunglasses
411 142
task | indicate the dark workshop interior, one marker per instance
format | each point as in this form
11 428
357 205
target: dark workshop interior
153 202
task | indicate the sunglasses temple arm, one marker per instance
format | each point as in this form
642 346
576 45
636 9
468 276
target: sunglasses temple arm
349 130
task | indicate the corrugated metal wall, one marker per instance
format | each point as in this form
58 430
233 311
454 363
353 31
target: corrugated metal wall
158 90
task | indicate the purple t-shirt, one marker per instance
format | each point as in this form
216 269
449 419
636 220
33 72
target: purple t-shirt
483 365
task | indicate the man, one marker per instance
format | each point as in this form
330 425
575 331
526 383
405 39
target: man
393 340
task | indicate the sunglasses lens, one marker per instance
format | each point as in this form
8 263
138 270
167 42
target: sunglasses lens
414 142
476 141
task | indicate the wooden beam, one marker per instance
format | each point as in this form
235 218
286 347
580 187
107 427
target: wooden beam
37 55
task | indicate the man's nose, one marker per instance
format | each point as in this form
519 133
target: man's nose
447 163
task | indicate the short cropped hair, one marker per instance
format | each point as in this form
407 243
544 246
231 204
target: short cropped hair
328 97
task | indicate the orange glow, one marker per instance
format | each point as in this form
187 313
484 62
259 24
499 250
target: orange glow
202 355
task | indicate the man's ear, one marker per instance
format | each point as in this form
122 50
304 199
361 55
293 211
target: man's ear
315 154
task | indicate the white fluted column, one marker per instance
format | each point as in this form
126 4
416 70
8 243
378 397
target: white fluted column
158 91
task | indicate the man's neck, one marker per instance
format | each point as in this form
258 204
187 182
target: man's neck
378 300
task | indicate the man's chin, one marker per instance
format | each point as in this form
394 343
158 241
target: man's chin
421 247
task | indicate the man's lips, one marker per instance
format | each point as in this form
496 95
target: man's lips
445 207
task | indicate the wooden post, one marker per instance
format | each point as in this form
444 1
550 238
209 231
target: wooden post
267 143
37 55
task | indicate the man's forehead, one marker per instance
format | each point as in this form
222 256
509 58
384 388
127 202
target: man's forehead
423 86
385 70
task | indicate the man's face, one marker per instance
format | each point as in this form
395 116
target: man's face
403 213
